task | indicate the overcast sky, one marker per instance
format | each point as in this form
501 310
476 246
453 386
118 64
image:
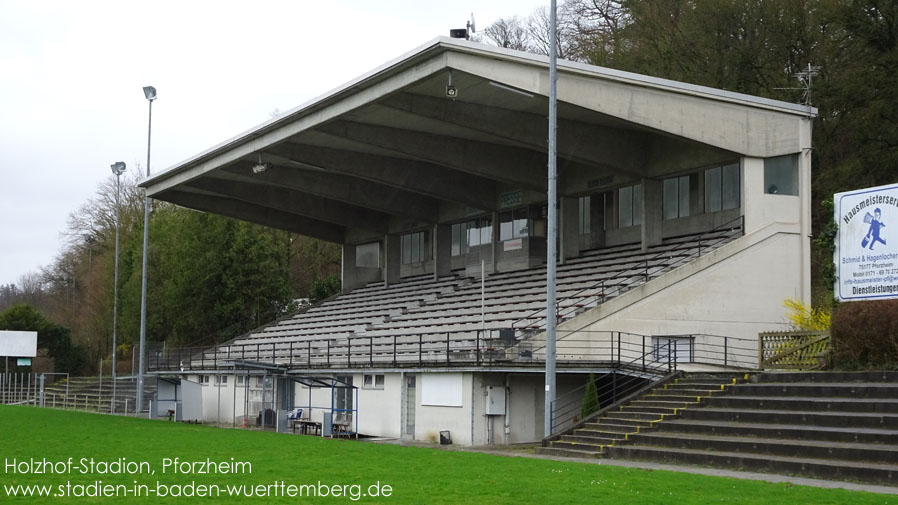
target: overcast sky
71 75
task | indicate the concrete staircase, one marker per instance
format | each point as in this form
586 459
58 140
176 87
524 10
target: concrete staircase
595 438
817 424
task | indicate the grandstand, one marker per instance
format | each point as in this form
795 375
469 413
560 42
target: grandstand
684 224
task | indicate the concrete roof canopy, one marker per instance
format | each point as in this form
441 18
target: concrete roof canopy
391 146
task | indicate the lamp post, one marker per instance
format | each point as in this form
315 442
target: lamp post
118 168
551 240
150 94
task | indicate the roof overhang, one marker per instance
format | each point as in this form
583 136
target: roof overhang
391 146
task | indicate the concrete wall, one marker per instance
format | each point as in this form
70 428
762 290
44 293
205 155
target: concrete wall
379 409
430 420
166 397
192 401
526 404
737 290
230 403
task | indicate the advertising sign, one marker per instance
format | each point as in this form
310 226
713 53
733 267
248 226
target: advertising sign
866 253
18 343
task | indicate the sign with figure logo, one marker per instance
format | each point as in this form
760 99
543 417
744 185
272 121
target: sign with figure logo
867 244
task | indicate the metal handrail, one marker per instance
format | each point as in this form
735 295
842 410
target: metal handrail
566 407
618 289
480 348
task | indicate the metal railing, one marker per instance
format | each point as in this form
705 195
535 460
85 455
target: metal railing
481 348
696 348
639 360
474 347
624 379
648 268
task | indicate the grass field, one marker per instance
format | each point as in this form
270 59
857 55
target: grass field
415 475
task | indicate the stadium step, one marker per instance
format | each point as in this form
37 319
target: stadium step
841 425
819 468
617 425
454 306
88 393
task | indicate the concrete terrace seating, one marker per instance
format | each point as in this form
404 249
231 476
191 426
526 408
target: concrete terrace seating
419 314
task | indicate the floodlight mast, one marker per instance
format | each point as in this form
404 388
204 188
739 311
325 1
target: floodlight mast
552 241
118 168
150 93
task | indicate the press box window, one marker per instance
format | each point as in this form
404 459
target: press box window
676 197
722 188
583 209
629 206
221 380
204 380
413 248
480 231
514 224
459 243
241 380
781 175
368 255
373 381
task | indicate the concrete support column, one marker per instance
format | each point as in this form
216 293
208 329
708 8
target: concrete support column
651 212
392 258
350 278
804 191
753 197
442 250
570 228
597 213
355 276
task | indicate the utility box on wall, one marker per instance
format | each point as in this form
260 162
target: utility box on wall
495 400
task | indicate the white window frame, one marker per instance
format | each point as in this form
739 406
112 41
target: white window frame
373 381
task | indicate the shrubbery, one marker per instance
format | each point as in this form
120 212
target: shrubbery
590 401
806 318
324 288
865 334
70 358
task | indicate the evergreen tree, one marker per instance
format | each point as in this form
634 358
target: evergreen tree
590 401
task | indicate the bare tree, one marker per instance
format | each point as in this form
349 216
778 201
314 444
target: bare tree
539 32
31 289
96 217
596 29
532 34
510 33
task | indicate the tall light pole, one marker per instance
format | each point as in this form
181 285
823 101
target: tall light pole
553 226
150 94
118 168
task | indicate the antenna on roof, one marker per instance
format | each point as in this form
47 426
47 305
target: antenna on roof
805 77
470 26
805 80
